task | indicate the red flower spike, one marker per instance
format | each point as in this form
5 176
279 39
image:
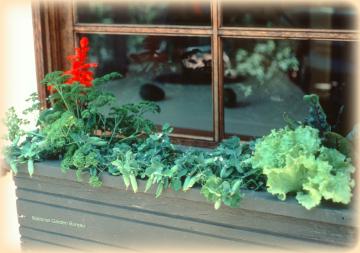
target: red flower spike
79 71
84 42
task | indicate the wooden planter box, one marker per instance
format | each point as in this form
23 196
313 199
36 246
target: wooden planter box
54 209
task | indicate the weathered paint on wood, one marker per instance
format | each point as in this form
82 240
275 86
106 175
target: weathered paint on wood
54 208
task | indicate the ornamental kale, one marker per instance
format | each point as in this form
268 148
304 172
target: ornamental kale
295 161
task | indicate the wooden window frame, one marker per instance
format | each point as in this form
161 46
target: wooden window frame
55 28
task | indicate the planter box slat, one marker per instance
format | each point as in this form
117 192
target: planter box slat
62 240
204 213
140 207
117 217
210 230
35 243
124 232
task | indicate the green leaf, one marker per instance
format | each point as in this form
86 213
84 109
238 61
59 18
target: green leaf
292 123
31 167
176 184
114 170
186 183
106 78
309 199
336 141
316 117
166 183
149 183
95 181
167 128
217 204
133 182
126 181
190 181
97 141
79 175
159 189
287 179
13 167
226 172
236 186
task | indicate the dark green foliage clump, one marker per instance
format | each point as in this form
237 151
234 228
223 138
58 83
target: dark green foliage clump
316 117
81 125
220 173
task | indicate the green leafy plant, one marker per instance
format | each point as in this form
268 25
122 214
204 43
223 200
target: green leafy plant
81 125
295 161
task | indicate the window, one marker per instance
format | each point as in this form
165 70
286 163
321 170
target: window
216 68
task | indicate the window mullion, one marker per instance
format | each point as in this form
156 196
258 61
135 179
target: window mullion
217 82
171 30
289 33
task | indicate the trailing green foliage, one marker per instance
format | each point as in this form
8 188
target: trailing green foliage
295 161
168 167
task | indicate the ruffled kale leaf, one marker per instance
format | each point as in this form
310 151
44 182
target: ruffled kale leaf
295 161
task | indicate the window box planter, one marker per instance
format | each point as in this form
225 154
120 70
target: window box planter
54 209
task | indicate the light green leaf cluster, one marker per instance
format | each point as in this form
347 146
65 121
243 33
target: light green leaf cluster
57 133
129 168
294 161
217 190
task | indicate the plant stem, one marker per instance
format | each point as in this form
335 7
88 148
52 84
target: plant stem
115 128
62 97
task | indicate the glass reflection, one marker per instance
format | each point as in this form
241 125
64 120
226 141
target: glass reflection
265 78
144 12
318 16
173 71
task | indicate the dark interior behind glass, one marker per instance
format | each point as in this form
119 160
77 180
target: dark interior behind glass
274 75
145 12
174 72
287 15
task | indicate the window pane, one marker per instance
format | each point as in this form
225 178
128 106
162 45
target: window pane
265 78
175 72
319 16
144 12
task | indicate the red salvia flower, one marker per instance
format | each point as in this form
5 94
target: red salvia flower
79 71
